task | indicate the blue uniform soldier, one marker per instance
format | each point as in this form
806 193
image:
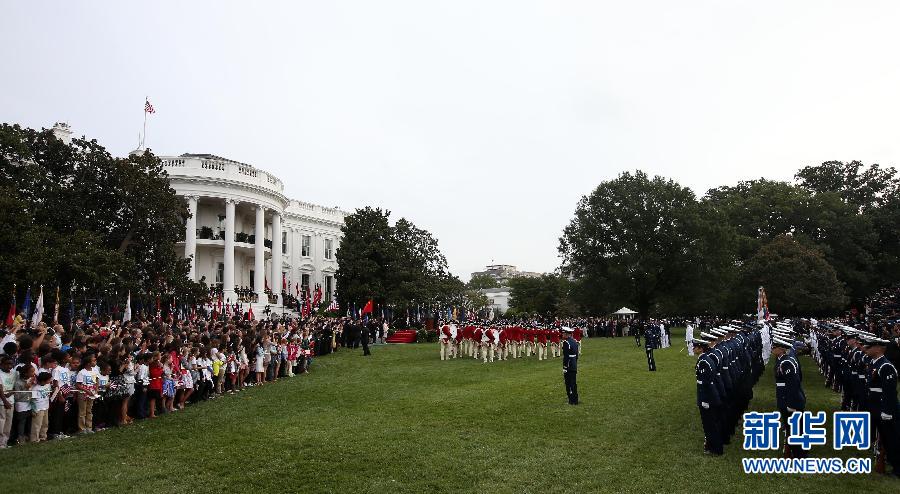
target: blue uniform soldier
882 400
789 394
709 401
651 339
570 349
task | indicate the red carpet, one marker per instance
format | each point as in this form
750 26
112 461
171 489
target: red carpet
402 336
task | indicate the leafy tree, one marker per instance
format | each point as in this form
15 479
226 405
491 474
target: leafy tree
758 211
365 256
798 279
482 281
861 186
547 295
398 265
868 244
638 240
75 215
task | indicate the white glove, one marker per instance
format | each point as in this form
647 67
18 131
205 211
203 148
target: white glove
885 416
704 404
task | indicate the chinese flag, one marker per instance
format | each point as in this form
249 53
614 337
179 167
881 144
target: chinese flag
368 308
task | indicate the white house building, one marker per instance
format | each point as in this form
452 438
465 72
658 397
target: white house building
233 205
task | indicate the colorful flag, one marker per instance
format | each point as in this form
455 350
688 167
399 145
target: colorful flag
368 308
27 307
250 313
38 309
11 314
284 282
334 305
318 298
148 108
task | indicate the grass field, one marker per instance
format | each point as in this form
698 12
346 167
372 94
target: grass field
403 421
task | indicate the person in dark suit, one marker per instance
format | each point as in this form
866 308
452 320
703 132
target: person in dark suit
570 350
363 337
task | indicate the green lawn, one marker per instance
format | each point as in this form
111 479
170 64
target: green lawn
403 421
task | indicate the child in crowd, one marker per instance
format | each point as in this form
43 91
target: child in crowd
62 384
187 379
22 392
141 390
8 378
155 386
292 349
86 385
40 407
168 387
101 405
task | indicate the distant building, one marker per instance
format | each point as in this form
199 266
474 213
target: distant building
498 298
505 272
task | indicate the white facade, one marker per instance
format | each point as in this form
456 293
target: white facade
233 204
498 298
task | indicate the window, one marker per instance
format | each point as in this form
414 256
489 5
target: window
304 282
328 285
304 248
220 273
252 279
284 242
328 248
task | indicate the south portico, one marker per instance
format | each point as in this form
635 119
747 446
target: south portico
232 206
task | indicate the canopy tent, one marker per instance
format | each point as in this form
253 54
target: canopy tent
624 313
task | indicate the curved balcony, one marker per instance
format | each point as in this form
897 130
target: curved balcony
209 166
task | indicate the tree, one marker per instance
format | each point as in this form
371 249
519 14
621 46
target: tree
547 295
399 265
758 211
797 278
481 282
864 187
365 257
868 244
75 215
639 241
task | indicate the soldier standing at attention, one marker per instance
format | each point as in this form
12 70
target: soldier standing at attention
789 395
708 399
649 345
882 400
570 349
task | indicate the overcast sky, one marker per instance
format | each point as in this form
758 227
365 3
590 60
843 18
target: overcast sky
481 121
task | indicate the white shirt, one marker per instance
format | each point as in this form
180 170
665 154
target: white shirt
143 374
62 376
40 397
8 380
86 377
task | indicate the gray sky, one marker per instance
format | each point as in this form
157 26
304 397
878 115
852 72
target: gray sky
482 121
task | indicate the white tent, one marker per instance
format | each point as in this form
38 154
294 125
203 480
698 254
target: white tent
624 313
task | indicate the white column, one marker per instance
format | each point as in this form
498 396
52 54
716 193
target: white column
190 238
259 259
276 255
228 278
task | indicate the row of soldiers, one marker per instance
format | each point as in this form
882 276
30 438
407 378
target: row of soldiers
490 342
729 363
854 364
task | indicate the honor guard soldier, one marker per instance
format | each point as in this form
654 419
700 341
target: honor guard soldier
445 338
789 394
476 341
708 399
570 365
649 345
883 401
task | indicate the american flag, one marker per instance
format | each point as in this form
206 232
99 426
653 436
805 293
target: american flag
148 108
334 305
